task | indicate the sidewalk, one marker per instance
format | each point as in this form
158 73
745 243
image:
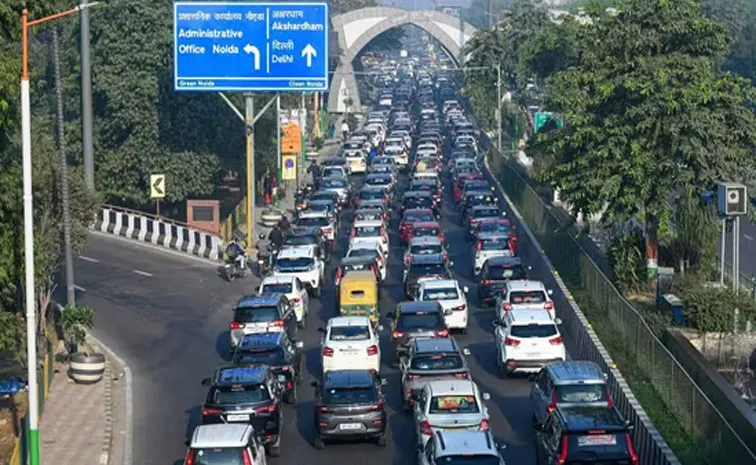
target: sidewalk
77 424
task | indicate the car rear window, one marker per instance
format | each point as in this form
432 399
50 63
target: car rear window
367 231
350 333
363 253
372 194
535 330
245 394
494 227
435 269
294 264
487 212
415 321
313 221
494 244
577 393
348 396
382 181
268 356
436 362
506 272
217 456
453 404
527 297
426 249
277 288
427 232
596 445
256 314
472 459
418 202
300 240
333 183
357 267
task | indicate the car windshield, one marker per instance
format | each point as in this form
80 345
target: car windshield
218 456
447 293
276 288
300 240
367 231
469 460
494 244
426 249
256 314
349 396
533 330
453 404
272 356
246 394
428 269
349 333
506 272
494 227
313 221
372 253
419 321
436 362
294 264
416 217
578 393
527 297
333 183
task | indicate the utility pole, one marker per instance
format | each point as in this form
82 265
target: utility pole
498 107
302 123
70 286
249 116
86 101
278 140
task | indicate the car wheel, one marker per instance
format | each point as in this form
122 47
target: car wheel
381 441
318 443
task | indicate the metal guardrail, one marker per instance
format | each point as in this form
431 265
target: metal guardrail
717 440
747 284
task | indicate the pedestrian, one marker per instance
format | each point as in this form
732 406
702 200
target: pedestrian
266 187
331 129
345 130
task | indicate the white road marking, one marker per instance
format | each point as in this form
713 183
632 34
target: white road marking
748 237
89 259
79 288
143 273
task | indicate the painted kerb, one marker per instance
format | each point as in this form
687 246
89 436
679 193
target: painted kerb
698 416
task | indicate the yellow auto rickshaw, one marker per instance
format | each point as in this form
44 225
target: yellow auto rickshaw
358 295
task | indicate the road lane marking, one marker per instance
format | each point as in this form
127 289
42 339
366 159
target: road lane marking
143 273
89 259
79 288
748 237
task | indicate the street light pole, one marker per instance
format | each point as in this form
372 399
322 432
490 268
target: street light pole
498 108
86 101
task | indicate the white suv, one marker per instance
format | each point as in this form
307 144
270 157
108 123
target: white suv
370 231
293 289
527 340
303 263
524 294
466 446
451 297
320 219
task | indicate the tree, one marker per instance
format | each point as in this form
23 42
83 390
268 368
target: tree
646 115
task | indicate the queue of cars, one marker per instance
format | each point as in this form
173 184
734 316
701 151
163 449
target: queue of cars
427 146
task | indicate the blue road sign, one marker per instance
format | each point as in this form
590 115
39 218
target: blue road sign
250 47
289 163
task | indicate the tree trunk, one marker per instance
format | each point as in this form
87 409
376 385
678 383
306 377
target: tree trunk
652 246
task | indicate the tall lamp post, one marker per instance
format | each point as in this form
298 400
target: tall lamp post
31 324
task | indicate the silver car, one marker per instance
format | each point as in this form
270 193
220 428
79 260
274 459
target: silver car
431 360
338 184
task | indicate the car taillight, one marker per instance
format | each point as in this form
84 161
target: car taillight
294 300
265 409
353 234
189 457
327 351
398 334
211 411
563 455
634 459
487 282
461 375
327 230
277 323
339 275
511 342
461 308
377 407
380 259
548 305
425 428
506 307
609 400
372 350
484 425
479 246
245 457
413 377
236 325
555 341
322 408
553 404
442 333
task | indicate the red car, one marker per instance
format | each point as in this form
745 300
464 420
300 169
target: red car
498 225
412 216
426 229
459 184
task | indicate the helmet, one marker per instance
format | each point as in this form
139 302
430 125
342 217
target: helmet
261 236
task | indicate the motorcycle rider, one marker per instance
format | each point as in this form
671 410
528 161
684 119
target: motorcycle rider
283 223
264 252
276 238
314 171
236 255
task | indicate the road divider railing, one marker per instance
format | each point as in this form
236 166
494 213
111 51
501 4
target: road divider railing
161 232
582 341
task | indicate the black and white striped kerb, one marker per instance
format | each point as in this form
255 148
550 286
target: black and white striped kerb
147 229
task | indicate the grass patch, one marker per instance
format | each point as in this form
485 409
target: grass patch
681 443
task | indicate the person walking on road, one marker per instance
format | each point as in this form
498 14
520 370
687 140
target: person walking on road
345 130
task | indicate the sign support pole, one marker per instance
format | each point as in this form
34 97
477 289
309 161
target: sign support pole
157 207
249 108
723 251
278 139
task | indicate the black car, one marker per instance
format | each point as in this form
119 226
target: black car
579 435
424 266
495 273
478 212
249 395
421 200
431 360
309 235
277 351
472 199
427 185
349 404
414 320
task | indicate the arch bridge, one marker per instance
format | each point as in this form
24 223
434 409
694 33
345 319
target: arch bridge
357 28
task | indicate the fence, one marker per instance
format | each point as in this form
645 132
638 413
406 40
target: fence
746 284
718 441
44 379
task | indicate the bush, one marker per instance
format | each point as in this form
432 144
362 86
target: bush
628 264
711 308
75 320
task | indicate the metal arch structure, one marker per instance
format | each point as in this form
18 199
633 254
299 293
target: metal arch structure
357 28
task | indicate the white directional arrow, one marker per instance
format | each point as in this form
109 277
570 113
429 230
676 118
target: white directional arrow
254 50
309 52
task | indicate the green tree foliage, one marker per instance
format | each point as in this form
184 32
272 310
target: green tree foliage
485 13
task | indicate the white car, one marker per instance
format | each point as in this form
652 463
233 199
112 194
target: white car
370 249
350 343
527 340
303 263
293 289
399 154
334 172
452 298
524 294
450 405
370 231
356 161
489 245
321 219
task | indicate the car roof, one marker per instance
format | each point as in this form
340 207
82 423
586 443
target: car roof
297 252
436 344
485 207
417 194
348 378
526 317
376 223
280 279
264 300
418 210
417 307
426 224
465 443
425 240
584 418
233 375
525 285
261 341
348 321
511 261
365 244
452 387
221 435
440 284
575 372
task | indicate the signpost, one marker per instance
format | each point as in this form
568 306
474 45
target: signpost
251 47
289 171
157 189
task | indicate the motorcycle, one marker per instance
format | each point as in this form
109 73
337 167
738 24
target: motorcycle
233 271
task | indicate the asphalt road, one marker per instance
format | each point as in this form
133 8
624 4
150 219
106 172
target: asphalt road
168 317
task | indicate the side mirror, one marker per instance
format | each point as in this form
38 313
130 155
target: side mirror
379 328
486 396
321 330
466 289
299 344
466 351
550 291
206 382
558 321
314 384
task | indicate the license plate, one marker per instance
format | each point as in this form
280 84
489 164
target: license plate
532 354
281 378
455 429
244 417
350 426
